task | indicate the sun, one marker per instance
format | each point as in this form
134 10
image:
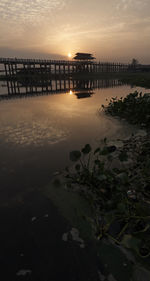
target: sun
69 55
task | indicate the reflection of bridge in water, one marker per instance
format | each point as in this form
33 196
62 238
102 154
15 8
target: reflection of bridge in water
82 88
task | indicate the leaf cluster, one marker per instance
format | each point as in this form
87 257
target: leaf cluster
120 212
135 108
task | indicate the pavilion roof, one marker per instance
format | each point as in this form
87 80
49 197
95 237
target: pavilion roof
83 56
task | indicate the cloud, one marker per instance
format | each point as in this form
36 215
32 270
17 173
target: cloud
26 11
28 53
62 26
135 5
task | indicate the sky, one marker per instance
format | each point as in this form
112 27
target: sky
112 30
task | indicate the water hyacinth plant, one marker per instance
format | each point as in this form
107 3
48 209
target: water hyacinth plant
135 108
120 211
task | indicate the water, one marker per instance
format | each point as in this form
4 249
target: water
37 132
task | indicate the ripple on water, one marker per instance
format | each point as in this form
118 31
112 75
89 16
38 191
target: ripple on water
28 134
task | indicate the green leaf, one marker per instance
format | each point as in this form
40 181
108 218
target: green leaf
121 207
123 156
104 151
67 169
109 158
75 155
96 150
57 183
144 252
105 140
109 217
111 148
123 177
97 162
77 167
86 149
130 242
101 177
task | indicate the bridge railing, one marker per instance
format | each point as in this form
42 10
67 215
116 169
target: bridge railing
40 61
16 60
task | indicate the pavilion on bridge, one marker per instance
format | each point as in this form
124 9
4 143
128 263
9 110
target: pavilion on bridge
84 62
83 57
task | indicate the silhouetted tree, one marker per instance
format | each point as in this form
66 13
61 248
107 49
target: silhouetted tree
134 62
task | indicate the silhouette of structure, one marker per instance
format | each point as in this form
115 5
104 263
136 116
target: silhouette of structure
82 63
14 66
81 88
83 57
85 62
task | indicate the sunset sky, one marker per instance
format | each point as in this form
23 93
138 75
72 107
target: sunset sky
113 30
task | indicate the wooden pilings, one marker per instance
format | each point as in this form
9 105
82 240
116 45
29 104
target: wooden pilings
58 86
29 66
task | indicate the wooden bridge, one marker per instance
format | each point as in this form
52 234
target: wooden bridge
13 66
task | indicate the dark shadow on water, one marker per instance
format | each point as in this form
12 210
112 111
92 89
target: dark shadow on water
81 95
32 87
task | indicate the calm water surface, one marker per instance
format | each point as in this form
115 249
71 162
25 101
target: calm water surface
37 133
